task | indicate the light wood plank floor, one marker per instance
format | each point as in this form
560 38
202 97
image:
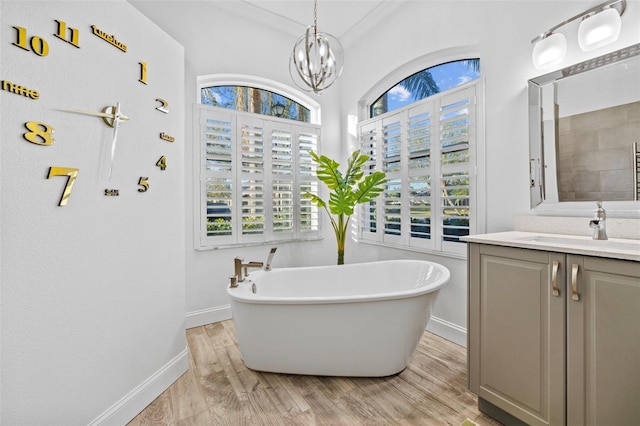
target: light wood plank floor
219 390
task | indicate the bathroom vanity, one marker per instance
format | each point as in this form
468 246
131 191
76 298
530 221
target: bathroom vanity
554 328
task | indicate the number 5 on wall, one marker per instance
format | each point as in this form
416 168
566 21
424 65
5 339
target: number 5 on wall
71 174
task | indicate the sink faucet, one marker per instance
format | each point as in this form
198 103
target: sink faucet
598 223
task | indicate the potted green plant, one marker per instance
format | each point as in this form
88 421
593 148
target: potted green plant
347 191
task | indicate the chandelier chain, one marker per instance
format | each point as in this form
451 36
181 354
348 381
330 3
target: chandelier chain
315 18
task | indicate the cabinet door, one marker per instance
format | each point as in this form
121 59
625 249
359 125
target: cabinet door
517 332
603 341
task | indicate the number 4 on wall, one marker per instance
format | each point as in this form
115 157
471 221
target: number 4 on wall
71 173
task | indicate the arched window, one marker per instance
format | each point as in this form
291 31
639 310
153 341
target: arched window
257 95
254 162
426 83
426 134
256 100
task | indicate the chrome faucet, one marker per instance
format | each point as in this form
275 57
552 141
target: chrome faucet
270 258
598 223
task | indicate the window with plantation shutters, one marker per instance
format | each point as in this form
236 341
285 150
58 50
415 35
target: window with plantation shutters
252 172
427 150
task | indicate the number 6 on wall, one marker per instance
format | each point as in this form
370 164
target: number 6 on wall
71 173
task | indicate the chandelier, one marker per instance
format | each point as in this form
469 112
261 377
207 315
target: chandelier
317 58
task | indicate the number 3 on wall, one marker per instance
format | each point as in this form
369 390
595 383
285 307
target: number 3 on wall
71 173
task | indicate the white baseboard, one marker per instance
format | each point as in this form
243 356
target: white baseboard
207 316
448 330
135 401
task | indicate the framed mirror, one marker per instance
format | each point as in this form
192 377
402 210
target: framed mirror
584 137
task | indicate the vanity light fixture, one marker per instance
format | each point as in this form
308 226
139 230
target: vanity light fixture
317 58
600 26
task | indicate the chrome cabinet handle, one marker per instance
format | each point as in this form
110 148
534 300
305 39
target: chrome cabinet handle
554 278
574 282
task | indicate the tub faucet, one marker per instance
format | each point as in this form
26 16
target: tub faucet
598 223
238 265
270 258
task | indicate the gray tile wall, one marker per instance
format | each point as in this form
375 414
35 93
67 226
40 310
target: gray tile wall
595 159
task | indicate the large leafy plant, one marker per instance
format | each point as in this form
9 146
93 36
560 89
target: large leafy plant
346 191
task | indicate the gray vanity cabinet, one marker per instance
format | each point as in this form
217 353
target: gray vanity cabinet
603 342
537 355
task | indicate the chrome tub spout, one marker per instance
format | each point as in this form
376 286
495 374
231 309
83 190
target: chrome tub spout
270 258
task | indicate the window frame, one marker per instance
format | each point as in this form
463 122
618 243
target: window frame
204 242
477 220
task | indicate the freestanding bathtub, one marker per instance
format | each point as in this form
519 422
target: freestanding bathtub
363 319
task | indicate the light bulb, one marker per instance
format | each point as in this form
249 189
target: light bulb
549 51
599 29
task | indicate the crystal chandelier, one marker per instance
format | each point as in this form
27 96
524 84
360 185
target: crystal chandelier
317 58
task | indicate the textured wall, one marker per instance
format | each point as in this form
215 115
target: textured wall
92 292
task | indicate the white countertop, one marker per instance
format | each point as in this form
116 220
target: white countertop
615 248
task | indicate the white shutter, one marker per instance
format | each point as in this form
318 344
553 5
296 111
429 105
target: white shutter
217 207
282 183
420 125
307 140
252 171
251 177
456 126
368 213
391 159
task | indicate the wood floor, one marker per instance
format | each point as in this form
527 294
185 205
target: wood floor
219 390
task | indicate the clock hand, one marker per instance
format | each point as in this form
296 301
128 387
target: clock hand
116 123
97 114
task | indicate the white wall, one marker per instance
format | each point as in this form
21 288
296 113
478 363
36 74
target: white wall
92 293
217 41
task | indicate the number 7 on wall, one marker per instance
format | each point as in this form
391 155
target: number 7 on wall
71 174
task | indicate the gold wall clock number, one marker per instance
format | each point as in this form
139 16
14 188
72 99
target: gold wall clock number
162 163
143 72
166 137
71 173
109 38
20 90
70 37
37 44
144 183
163 106
40 134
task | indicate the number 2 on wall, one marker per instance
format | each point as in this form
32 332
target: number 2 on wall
71 173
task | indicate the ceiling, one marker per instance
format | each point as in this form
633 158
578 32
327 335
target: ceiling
344 19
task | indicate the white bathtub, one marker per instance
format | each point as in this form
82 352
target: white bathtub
361 319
